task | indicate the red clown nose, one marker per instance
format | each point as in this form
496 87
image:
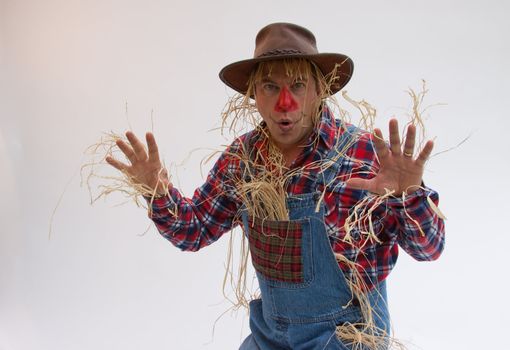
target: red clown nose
285 102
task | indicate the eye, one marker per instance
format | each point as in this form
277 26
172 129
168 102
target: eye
298 87
270 88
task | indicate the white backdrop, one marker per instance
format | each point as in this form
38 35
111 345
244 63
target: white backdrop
67 70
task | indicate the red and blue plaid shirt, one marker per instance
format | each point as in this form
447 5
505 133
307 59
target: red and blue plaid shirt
213 210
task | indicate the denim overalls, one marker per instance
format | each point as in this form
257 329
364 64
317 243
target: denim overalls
304 293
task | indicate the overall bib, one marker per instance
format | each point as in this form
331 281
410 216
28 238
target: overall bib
304 293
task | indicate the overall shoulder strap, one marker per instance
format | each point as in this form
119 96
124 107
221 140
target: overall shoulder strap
335 156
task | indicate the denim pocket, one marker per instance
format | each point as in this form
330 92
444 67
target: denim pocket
281 251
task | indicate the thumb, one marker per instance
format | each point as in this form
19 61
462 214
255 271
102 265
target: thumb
359 184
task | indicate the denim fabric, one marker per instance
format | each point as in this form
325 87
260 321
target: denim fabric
304 315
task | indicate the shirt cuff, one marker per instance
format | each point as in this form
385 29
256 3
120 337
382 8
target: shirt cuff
416 207
409 201
161 206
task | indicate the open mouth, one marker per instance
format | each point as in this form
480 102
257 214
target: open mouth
285 125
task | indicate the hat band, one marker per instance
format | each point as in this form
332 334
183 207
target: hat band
278 52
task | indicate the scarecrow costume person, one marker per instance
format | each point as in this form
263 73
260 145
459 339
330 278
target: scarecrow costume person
321 259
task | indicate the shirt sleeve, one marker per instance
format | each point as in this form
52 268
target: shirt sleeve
192 223
411 220
419 228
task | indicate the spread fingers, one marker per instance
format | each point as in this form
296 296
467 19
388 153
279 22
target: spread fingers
425 153
138 147
410 141
127 150
115 163
380 145
394 137
153 146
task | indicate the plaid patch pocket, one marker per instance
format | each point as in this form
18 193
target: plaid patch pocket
281 250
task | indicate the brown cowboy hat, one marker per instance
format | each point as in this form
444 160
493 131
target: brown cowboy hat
286 40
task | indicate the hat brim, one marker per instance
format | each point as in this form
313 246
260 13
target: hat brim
237 74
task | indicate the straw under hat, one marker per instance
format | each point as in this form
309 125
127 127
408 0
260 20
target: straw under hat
286 40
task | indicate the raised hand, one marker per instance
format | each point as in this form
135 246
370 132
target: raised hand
399 170
146 167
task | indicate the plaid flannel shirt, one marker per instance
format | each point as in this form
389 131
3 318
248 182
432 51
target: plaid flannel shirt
411 223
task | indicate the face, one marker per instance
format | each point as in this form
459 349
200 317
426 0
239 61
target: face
288 105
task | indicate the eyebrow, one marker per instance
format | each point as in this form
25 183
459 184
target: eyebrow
268 80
